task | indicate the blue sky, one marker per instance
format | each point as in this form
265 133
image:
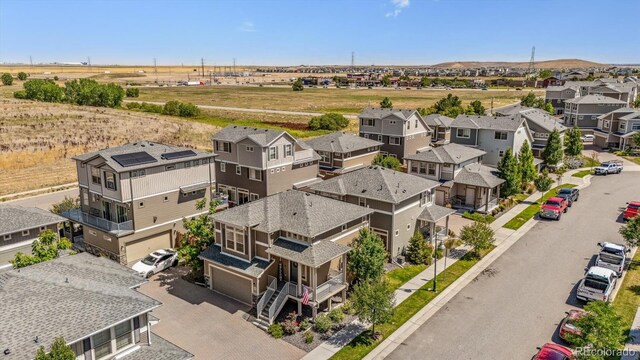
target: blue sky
293 32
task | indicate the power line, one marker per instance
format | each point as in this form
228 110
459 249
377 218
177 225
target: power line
353 59
202 62
155 67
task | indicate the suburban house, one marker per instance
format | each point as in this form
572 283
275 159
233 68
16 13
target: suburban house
464 182
253 163
133 197
402 132
19 226
440 126
557 95
91 302
626 92
616 128
541 124
402 203
341 152
585 110
492 134
279 247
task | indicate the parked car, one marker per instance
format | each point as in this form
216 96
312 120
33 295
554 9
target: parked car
569 194
588 137
552 351
156 261
553 208
612 256
598 284
631 211
609 167
568 324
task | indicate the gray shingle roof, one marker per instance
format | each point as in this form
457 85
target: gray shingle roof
160 349
511 109
380 113
434 213
503 123
626 110
310 255
563 87
15 218
255 268
594 99
156 151
438 120
451 153
261 136
378 183
543 119
478 175
73 296
341 142
294 211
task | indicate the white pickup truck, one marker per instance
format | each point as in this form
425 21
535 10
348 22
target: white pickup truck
612 256
609 167
597 285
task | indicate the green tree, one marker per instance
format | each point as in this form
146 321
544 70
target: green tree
601 329
22 76
373 301
425 81
328 121
636 103
188 110
59 350
68 203
450 106
631 231
91 93
7 79
552 153
527 166
546 73
419 251
636 139
386 103
543 182
548 107
573 145
388 162
367 257
475 108
172 108
386 80
297 85
133 92
478 235
43 90
199 234
529 100
44 248
509 171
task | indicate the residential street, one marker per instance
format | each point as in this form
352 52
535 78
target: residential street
518 303
45 201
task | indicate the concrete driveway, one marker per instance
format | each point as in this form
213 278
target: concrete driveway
209 325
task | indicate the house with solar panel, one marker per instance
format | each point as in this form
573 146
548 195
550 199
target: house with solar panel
133 197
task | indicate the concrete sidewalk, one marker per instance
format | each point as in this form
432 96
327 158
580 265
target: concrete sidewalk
632 348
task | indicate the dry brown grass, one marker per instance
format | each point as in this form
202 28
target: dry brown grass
37 140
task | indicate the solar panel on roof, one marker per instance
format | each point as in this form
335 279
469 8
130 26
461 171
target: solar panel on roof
178 154
133 159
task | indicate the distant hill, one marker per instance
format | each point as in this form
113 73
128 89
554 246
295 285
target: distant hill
548 64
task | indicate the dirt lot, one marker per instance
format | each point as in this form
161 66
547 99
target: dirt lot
37 140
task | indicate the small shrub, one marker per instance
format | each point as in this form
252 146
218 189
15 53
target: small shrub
480 217
304 324
133 92
275 330
22 76
289 325
329 121
7 79
20 94
189 110
56 78
152 108
347 307
323 324
308 337
336 316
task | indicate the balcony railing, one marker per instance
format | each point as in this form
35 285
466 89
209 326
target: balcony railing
329 288
96 221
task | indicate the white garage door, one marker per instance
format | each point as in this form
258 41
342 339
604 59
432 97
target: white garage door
139 249
231 285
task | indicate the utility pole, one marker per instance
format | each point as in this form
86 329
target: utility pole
202 62
155 67
30 61
353 59
531 68
89 62
234 66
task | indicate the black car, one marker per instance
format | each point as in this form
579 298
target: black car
571 195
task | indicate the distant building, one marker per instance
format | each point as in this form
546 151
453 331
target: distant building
615 129
585 110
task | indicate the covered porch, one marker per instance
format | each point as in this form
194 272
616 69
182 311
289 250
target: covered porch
476 187
434 222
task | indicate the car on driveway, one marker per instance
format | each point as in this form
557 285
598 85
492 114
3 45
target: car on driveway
631 211
598 284
612 256
609 167
156 262
569 194
551 351
568 324
553 208
587 137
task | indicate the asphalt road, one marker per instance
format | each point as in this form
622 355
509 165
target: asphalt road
44 201
518 302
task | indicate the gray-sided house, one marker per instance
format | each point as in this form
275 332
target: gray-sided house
541 124
557 95
402 131
402 203
464 182
253 163
91 302
19 226
615 129
133 197
585 110
341 152
277 248
441 128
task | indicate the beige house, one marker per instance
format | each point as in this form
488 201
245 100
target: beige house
134 197
616 129
341 152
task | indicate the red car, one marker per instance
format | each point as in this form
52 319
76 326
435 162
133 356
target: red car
568 324
554 352
631 210
553 208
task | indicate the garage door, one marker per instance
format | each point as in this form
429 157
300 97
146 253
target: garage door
140 249
231 285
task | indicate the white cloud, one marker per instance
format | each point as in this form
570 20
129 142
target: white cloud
398 6
247 26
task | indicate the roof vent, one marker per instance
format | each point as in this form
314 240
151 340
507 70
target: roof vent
295 213
7 351
36 340
66 280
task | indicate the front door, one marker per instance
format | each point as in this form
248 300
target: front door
470 194
293 275
106 210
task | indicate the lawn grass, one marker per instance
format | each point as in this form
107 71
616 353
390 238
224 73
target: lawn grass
363 343
583 173
590 162
397 277
628 297
521 197
531 211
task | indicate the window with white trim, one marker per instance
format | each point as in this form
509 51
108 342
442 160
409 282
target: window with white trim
254 197
255 174
234 239
393 140
187 164
169 167
248 148
223 167
25 232
635 126
368 122
362 201
43 228
238 170
380 138
431 169
343 227
463 133
273 153
288 150
6 237
223 146
501 153
95 175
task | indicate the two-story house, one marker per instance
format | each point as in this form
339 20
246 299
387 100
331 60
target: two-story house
279 247
620 91
584 110
19 226
89 301
557 95
440 126
253 163
616 129
133 197
541 124
402 131
341 152
402 203
492 134
465 182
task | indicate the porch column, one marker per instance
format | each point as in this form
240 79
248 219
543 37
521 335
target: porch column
344 268
299 291
314 283
498 192
486 205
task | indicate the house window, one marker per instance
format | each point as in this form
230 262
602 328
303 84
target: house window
273 153
397 232
254 197
392 122
366 136
431 169
122 334
255 174
102 344
425 198
635 127
463 133
141 204
238 170
380 138
7 237
368 122
416 124
43 228
622 126
112 340
408 125
288 150
95 175
606 123
422 168
187 164
500 135
362 201
169 167
394 140
223 167
248 148
110 180
325 156
223 146
235 239
166 198
343 227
